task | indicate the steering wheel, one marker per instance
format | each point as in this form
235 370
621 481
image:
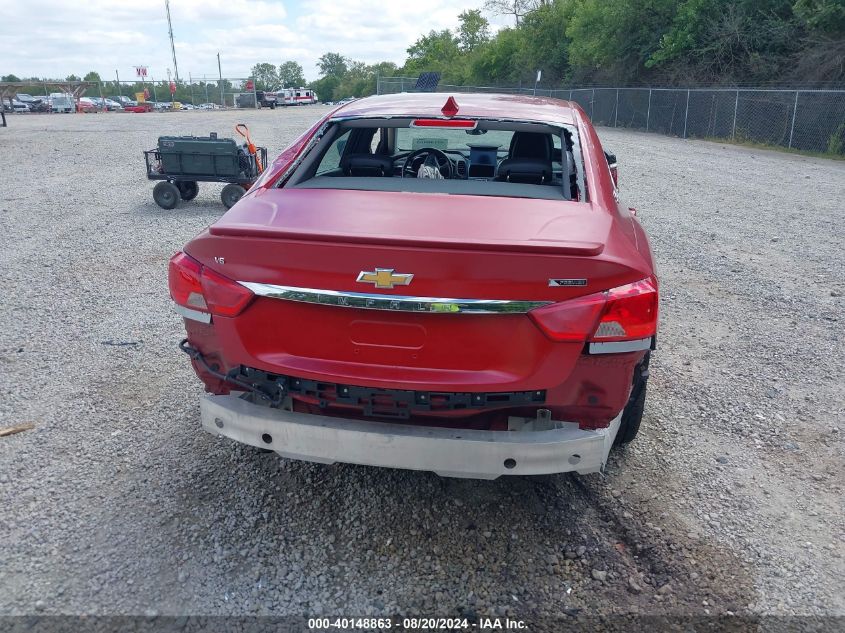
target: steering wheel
442 160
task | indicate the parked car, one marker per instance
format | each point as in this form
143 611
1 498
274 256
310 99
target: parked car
104 103
18 106
468 298
142 106
36 104
86 104
62 102
124 101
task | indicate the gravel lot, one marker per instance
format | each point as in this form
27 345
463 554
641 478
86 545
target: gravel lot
117 502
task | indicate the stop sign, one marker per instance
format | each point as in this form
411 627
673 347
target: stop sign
249 85
172 88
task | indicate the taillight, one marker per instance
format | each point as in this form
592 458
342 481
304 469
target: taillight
625 313
183 276
630 313
225 297
199 288
572 320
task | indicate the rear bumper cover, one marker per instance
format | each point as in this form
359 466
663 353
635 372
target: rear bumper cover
447 452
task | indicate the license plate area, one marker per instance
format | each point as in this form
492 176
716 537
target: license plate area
383 403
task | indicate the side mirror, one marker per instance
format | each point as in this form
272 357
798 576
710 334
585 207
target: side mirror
611 162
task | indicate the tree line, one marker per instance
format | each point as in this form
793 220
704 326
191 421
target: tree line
796 43
621 43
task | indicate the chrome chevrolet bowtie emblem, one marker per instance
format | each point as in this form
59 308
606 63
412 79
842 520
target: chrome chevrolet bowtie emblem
384 278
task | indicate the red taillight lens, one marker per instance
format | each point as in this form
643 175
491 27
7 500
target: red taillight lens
197 287
183 276
572 320
224 296
630 313
625 313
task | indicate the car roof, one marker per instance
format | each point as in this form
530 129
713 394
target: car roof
476 105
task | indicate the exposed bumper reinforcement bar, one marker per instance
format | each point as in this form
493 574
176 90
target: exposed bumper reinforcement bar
447 452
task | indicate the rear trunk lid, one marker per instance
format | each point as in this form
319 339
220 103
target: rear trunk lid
456 247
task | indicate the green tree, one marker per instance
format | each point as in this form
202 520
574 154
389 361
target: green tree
546 46
474 29
10 78
502 60
291 74
610 41
823 16
72 78
265 76
517 8
728 40
332 65
437 52
92 76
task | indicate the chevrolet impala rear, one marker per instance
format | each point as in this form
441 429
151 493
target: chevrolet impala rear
437 284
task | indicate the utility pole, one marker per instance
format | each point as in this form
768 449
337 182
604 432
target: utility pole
117 77
220 73
172 46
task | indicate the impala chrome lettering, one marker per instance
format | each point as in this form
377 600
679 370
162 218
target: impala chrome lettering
555 283
396 303
384 278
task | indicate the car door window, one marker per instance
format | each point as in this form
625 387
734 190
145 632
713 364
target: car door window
331 159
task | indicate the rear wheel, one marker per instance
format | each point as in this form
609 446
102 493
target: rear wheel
231 194
188 190
632 414
166 195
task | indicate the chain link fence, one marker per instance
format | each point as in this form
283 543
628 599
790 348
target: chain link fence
807 120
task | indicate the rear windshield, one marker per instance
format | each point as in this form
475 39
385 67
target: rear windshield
493 158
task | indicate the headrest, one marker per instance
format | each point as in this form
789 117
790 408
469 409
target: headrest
531 145
367 165
525 170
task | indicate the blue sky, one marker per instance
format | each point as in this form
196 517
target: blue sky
58 37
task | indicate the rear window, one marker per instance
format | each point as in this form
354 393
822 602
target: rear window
496 158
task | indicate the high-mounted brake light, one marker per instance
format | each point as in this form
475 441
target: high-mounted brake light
201 290
463 124
626 313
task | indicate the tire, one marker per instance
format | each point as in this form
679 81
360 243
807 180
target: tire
188 190
272 106
231 194
166 195
632 414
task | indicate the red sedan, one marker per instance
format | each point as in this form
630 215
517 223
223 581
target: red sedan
141 106
450 287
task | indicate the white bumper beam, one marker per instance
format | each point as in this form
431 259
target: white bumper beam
447 452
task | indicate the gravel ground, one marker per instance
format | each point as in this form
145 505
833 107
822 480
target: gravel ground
117 503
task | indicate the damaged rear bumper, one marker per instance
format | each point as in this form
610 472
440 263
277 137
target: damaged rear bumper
447 452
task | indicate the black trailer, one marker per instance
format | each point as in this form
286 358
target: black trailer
181 162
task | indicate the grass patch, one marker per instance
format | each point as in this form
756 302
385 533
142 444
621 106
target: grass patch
777 148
